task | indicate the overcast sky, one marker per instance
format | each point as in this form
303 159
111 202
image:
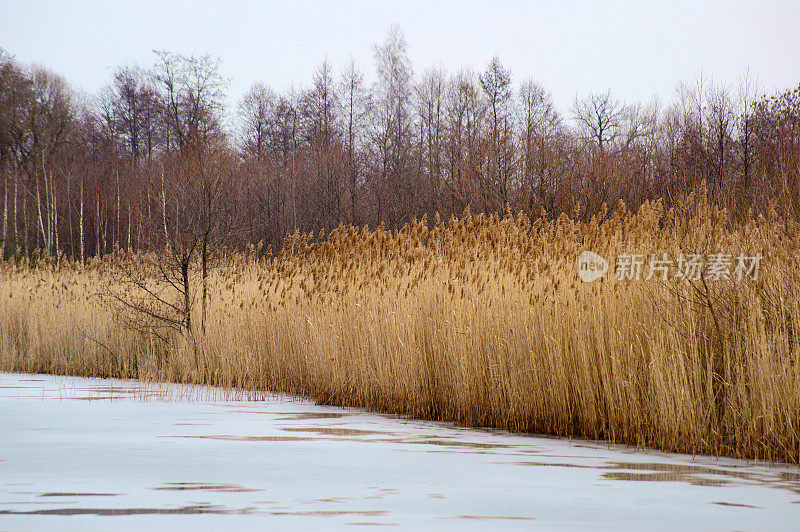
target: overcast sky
636 49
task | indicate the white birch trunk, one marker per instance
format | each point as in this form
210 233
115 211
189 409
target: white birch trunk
69 218
48 206
118 205
80 225
5 216
55 221
98 250
16 233
39 211
164 209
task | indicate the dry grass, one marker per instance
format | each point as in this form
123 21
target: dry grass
481 321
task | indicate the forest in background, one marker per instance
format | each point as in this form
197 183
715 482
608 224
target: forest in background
155 152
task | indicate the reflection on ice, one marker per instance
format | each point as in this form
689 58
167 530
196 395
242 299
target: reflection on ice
664 477
299 416
229 437
333 431
198 509
491 517
198 486
74 494
188 457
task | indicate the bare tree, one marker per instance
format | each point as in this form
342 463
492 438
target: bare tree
747 93
257 138
319 108
392 124
496 84
431 93
192 91
256 110
355 106
540 125
465 112
192 194
15 90
600 117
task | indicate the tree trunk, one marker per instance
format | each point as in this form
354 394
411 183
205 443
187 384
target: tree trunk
39 211
26 224
117 236
55 221
98 250
129 225
187 301
69 218
164 210
5 216
204 258
80 225
16 228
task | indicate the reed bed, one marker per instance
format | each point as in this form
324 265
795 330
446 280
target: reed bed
480 320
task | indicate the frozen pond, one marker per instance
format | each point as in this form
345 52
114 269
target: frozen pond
104 454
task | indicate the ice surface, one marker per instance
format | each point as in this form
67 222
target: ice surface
87 454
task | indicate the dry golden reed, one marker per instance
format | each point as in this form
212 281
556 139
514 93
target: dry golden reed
479 320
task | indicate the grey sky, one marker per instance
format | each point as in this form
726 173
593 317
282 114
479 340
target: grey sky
636 49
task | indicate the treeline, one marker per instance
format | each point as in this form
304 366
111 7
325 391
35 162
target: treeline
156 152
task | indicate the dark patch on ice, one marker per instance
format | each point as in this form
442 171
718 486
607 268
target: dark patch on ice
487 517
299 416
786 480
36 503
113 389
196 509
76 494
697 475
457 443
380 493
230 437
87 398
335 431
552 464
664 476
328 499
682 468
371 523
200 486
736 504
369 513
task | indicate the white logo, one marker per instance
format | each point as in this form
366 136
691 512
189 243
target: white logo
591 266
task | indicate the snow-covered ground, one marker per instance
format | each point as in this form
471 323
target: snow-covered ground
88 454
